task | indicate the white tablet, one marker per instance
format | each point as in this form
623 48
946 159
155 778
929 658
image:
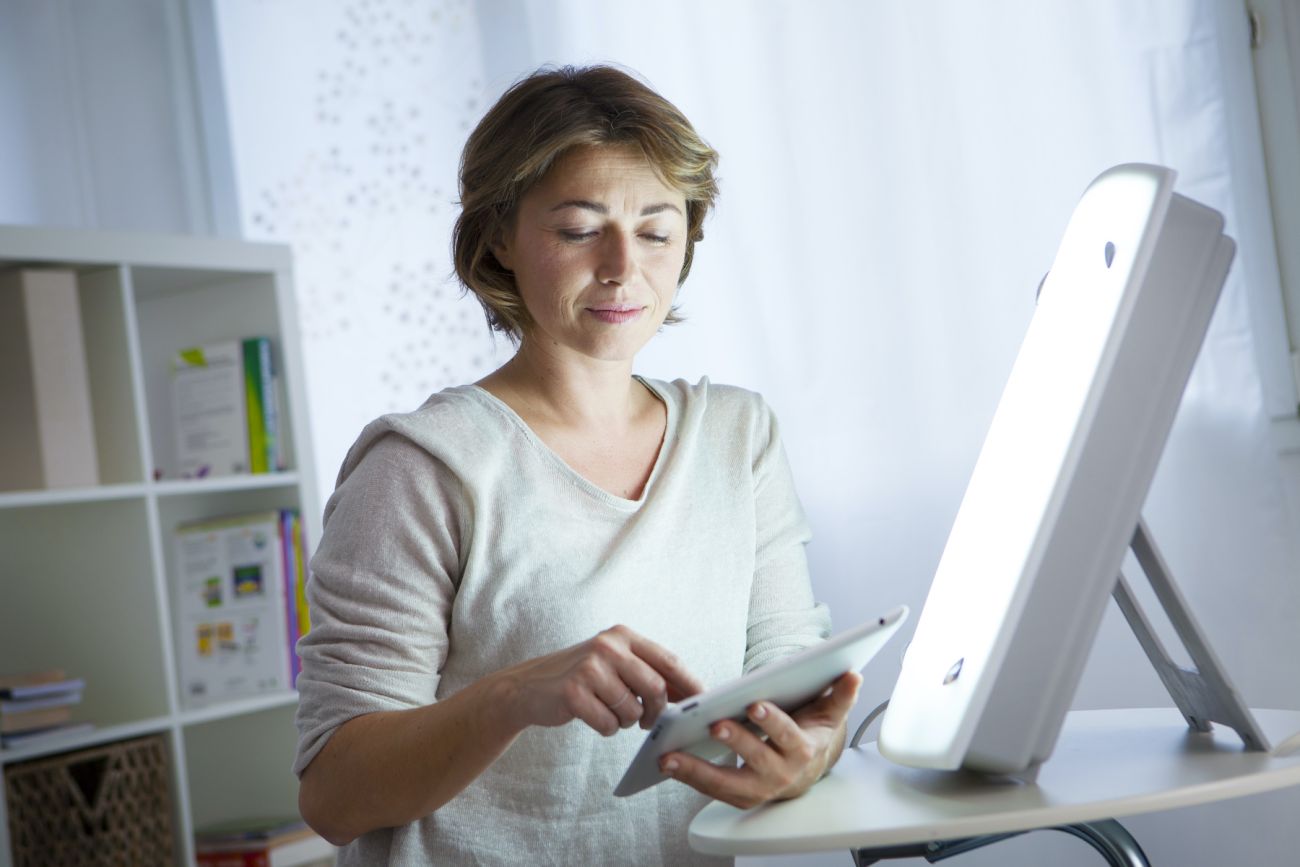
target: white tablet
789 684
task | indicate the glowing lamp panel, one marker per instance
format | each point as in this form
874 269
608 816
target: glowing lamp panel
1012 533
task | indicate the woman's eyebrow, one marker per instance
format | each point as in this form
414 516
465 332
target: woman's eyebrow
581 203
603 210
650 210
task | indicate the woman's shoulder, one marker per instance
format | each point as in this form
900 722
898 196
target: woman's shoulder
461 411
713 399
450 423
719 418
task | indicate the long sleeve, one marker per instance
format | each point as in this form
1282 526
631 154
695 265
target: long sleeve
783 616
381 591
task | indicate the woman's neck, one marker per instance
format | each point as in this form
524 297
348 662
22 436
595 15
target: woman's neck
550 392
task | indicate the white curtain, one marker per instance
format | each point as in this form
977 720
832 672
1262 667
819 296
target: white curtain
896 177
99 117
347 121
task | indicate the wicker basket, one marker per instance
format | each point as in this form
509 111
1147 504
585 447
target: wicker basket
99 807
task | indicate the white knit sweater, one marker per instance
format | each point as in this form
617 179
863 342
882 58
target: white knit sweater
457 544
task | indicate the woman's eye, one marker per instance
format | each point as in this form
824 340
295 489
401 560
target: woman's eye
654 238
577 234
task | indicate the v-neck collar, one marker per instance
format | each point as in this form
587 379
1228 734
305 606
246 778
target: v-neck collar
578 478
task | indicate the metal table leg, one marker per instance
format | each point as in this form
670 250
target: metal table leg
1111 839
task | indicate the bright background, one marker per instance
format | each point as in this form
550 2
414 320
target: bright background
895 179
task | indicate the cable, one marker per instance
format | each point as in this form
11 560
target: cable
866 723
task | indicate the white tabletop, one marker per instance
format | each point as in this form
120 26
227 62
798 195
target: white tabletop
1107 764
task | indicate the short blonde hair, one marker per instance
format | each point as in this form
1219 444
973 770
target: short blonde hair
532 125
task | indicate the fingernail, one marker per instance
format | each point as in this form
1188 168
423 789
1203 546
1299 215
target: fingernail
760 711
724 733
670 765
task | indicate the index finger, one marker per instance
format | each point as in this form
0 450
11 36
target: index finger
679 680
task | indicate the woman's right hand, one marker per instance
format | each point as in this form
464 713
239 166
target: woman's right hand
611 681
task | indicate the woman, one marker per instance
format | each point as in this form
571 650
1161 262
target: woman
464 689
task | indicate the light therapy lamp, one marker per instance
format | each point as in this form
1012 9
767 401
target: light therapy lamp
1054 501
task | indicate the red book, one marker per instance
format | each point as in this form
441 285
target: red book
258 844
261 858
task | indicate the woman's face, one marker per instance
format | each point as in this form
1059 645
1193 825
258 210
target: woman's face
596 251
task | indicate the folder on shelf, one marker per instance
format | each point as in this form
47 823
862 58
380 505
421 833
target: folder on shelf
230 619
226 409
210 410
236 614
47 431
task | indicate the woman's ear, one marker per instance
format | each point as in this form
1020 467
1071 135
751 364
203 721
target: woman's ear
501 250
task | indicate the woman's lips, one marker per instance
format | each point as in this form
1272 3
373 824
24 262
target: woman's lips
616 313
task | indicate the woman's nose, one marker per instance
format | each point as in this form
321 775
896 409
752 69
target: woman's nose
616 258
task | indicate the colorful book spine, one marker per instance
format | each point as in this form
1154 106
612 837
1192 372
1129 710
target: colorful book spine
295 572
279 459
300 578
263 416
287 519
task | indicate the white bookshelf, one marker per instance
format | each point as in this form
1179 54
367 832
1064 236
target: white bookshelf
86 573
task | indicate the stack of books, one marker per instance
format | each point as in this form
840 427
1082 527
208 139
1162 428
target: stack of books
240 605
279 842
226 412
38 704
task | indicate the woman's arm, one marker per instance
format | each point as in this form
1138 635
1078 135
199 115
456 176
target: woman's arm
390 768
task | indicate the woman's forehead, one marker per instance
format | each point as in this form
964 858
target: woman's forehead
617 171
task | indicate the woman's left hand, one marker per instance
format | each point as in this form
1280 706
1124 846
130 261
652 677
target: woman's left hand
799 749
